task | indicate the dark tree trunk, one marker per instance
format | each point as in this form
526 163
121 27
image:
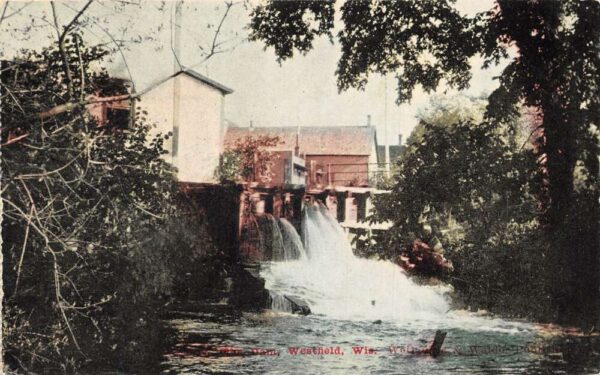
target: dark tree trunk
573 241
557 198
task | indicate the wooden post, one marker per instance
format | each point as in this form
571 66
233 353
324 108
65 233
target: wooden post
436 346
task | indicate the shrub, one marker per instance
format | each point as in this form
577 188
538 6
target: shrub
94 243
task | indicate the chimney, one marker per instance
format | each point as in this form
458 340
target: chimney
368 120
297 147
399 139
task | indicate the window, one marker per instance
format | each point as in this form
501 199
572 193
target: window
117 118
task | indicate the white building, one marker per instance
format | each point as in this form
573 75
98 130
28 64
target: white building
191 107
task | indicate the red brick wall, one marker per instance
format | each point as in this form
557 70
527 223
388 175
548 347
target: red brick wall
277 170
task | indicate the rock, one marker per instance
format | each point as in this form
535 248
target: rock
421 259
248 292
298 305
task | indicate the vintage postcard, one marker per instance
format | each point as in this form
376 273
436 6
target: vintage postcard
300 186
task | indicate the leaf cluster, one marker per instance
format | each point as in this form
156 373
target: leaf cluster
248 159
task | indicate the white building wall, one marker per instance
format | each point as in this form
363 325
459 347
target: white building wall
200 131
373 166
195 117
159 105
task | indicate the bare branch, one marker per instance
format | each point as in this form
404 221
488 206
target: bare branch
39 228
15 140
18 10
74 21
63 53
6 16
113 40
46 173
4 12
61 42
23 251
215 44
74 105
82 72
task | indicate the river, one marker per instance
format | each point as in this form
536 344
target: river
367 317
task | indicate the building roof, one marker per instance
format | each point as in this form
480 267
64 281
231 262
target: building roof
314 140
194 74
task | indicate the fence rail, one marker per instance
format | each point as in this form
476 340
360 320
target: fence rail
345 173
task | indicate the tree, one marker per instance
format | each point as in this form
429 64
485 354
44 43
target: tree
248 159
554 69
454 166
96 238
467 189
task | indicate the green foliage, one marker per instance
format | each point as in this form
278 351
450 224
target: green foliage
420 42
248 160
504 271
367 243
230 167
301 20
460 171
469 189
93 242
381 180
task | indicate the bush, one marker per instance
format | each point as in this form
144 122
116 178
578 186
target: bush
506 274
94 243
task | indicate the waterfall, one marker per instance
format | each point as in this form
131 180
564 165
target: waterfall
272 242
337 284
292 243
279 303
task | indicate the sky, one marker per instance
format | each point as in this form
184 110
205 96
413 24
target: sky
300 91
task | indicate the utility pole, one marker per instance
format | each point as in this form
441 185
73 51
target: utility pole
176 21
385 131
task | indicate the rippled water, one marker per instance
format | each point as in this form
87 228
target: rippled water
512 350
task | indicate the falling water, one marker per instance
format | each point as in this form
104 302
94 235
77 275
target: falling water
272 241
292 243
279 302
336 283
362 302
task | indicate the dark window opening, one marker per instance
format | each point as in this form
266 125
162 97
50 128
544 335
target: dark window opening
117 118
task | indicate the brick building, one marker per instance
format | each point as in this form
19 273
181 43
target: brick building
334 155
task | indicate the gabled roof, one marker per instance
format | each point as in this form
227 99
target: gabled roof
191 73
194 74
314 140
